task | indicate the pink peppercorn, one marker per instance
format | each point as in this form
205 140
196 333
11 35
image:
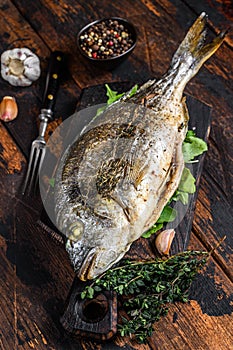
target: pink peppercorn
104 40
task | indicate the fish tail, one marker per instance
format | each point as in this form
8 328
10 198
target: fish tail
193 52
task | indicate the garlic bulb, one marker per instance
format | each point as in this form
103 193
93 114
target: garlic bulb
164 240
8 109
20 66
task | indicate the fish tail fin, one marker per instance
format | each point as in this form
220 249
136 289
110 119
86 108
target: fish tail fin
193 52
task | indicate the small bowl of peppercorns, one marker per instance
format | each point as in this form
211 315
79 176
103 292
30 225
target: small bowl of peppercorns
107 42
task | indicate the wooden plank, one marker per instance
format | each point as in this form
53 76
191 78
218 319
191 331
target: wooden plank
70 18
220 14
192 330
18 33
175 22
210 227
7 288
10 159
48 293
12 171
43 280
202 323
156 21
38 284
7 273
12 163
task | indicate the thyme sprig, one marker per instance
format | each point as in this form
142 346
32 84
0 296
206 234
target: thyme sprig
147 287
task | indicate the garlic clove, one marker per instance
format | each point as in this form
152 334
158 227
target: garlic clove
20 81
164 240
20 66
5 57
8 109
31 60
32 74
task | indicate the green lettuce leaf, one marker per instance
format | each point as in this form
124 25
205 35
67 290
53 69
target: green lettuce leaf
187 182
152 230
113 96
193 146
186 187
168 215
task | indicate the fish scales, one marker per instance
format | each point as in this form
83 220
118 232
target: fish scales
114 181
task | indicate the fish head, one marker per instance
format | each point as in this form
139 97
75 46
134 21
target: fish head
97 261
93 249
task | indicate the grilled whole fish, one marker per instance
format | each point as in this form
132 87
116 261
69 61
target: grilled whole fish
114 181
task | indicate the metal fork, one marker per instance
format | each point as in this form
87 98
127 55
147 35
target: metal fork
46 115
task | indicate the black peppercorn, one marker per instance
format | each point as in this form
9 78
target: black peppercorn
106 39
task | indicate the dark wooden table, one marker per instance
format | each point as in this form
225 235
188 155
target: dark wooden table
35 271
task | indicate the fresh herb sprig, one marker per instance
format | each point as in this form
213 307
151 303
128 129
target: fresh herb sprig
147 287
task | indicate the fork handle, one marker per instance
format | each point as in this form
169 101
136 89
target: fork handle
56 65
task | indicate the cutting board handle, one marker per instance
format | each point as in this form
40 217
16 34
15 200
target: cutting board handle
92 318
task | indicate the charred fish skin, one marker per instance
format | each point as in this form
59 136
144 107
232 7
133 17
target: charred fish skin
115 180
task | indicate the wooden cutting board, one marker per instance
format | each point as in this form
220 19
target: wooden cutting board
74 319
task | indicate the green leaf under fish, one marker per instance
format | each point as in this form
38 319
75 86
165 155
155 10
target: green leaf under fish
113 96
193 146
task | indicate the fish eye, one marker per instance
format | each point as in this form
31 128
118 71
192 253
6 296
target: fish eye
75 231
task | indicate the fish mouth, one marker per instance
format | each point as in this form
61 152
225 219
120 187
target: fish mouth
97 261
84 273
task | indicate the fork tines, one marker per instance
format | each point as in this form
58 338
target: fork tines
34 166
